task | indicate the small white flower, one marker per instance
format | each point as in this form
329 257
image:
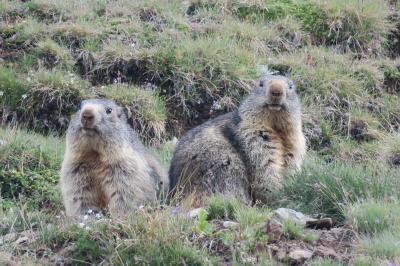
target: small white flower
98 216
85 217
87 227
90 211
1 93
24 96
81 225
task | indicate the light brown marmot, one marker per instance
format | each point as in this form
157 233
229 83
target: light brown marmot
245 153
105 166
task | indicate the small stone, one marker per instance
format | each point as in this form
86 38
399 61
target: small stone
21 240
274 230
300 255
280 255
326 252
230 225
195 213
292 215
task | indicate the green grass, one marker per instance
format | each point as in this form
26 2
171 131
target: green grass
385 245
53 54
328 187
145 107
11 87
219 208
371 217
291 230
29 168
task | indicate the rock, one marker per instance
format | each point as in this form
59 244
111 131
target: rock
280 255
292 215
313 132
21 240
274 230
195 213
230 225
300 255
10 237
2 142
24 237
6 259
326 252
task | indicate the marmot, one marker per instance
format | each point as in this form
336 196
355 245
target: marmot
105 166
245 153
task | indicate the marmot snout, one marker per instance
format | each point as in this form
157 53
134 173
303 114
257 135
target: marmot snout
244 153
105 166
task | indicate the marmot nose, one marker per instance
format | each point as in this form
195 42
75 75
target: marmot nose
87 118
276 93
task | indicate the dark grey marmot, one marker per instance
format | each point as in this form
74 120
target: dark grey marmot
245 153
105 166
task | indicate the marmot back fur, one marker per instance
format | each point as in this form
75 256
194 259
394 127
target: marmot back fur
245 153
105 166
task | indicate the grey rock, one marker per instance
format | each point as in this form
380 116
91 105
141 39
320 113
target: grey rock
284 214
300 255
230 225
274 230
21 240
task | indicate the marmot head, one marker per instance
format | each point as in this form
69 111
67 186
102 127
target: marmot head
274 97
98 124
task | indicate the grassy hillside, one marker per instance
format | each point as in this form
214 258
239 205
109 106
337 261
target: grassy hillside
172 65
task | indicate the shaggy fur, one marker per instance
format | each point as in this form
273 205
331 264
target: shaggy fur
245 153
105 165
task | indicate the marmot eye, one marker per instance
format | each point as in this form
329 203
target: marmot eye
108 110
261 83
